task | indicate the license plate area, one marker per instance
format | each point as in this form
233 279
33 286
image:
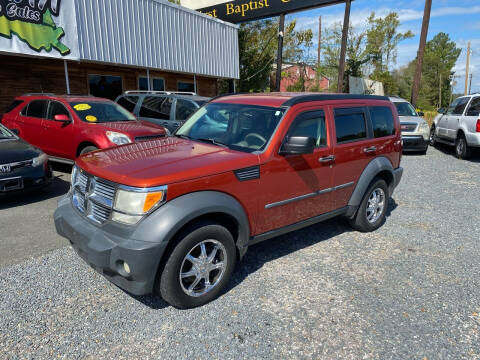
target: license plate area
11 184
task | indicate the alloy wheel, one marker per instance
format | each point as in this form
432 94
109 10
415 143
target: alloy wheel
375 205
203 268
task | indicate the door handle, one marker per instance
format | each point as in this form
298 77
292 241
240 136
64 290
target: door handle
371 149
327 159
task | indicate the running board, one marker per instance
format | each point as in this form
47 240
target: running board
297 226
445 141
61 160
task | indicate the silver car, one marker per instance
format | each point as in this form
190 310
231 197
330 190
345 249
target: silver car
415 130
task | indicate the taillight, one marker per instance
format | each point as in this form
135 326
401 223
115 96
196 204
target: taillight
478 126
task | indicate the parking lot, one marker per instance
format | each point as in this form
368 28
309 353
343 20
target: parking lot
409 290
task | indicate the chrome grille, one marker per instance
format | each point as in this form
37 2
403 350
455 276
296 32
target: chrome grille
408 127
92 197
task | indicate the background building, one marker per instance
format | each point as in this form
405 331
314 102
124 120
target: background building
104 48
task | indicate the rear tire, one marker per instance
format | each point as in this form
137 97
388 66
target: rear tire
462 150
88 149
373 208
193 276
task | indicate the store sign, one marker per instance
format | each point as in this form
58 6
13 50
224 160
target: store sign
46 27
246 10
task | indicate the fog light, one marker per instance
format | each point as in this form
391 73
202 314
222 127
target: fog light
126 267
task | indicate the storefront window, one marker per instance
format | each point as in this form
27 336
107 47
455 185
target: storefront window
186 86
156 84
105 86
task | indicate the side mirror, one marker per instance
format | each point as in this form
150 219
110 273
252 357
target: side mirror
421 114
441 111
62 118
298 145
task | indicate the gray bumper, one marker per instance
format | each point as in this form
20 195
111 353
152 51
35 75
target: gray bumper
397 177
106 250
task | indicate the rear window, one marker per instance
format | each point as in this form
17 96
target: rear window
474 109
156 107
382 121
128 102
350 125
37 109
184 109
13 105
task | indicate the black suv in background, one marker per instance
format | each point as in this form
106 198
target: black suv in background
169 109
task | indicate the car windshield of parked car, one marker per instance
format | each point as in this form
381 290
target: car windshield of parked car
101 112
239 127
405 109
5 133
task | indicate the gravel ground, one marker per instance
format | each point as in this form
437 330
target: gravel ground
411 290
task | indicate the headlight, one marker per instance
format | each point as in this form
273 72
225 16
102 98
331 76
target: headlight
73 177
131 204
424 127
118 138
39 160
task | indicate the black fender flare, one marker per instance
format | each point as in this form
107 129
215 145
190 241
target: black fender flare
163 224
374 167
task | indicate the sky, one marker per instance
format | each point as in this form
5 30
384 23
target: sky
458 18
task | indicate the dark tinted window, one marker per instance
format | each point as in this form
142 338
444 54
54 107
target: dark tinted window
55 108
382 121
101 111
311 124
37 109
128 102
186 86
458 106
184 109
350 126
405 109
105 86
474 109
156 84
13 105
156 107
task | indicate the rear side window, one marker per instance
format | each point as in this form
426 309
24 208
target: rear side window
382 121
310 124
458 106
156 107
37 109
350 125
13 105
474 109
128 102
184 109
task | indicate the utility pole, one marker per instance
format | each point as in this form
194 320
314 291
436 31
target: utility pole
343 50
467 69
319 48
281 31
440 92
470 86
421 51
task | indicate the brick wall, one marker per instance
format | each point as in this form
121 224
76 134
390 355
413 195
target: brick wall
20 75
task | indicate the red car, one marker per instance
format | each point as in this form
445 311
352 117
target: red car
174 216
66 127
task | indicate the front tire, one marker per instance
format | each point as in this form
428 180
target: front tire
462 150
88 149
373 208
433 137
199 267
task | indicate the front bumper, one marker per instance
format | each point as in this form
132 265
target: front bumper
29 177
107 249
414 143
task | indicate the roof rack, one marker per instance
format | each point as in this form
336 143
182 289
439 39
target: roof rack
160 92
325 97
39 94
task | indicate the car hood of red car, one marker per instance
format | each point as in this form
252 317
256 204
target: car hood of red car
163 162
134 128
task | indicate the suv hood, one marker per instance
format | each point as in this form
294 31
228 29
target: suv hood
411 119
163 162
134 128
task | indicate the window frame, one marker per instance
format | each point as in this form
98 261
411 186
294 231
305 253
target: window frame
353 110
151 82
58 102
26 108
297 119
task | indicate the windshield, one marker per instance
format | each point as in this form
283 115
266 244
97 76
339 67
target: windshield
101 112
240 127
405 109
5 133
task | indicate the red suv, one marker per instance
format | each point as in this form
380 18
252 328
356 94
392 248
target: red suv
65 127
173 216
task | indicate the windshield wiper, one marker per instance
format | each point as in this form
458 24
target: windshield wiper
213 141
186 137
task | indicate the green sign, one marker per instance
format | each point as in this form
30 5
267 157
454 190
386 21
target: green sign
32 22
